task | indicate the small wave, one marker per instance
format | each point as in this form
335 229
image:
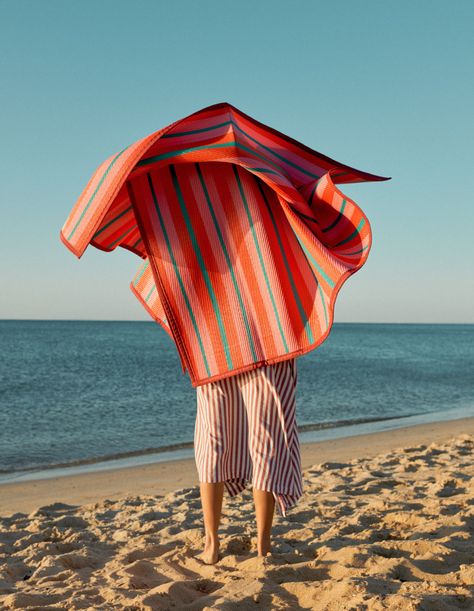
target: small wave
320 426
172 448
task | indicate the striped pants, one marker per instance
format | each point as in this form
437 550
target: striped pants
246 432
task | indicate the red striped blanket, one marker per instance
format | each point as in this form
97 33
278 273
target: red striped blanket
245 237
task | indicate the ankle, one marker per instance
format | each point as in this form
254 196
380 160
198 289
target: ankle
212 540
263 546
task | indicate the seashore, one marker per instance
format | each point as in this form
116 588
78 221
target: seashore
386 521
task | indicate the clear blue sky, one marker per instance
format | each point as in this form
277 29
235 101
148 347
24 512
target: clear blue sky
386 87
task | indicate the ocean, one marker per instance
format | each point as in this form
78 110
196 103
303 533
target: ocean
77 393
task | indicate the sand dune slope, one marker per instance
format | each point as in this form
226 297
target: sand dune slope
395 531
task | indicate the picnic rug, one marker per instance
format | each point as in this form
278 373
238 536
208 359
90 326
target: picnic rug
244 235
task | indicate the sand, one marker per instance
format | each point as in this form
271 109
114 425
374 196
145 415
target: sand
386 522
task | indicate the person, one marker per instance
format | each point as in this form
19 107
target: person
246 241
246 431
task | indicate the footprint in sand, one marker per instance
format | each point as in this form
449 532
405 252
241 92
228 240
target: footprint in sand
149 551
239 545
180 594
138 575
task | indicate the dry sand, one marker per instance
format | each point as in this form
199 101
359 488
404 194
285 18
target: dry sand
386 522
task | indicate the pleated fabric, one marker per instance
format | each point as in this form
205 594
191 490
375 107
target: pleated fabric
245 238
246 432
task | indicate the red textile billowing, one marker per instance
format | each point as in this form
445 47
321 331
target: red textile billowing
245 237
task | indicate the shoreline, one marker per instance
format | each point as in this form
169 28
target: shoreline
159 478
385 521
174 451
308 433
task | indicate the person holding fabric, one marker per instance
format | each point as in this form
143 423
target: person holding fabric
246 241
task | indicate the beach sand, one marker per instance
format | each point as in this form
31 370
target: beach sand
386 522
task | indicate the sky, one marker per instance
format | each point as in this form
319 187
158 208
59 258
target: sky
385 87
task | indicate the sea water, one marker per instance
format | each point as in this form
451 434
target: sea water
80 392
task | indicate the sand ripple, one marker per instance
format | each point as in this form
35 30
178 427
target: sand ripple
391 532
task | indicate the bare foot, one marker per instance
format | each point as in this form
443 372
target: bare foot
264 547
210 555
265 554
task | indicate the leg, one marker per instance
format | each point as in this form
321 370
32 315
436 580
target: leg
270 398
217 430
264 509
211 499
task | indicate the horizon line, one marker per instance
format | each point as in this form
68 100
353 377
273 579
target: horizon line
347 322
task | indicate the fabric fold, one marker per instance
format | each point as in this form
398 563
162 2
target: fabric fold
245 237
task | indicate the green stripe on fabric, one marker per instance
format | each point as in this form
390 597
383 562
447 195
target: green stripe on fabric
229 263
196 131
234 124
202 265
104 176
178 275
257 246
305 216
321 294
304 318
320 291
150 293
137 242
122 236
315 263
347 254
353 234
263 171
142 271
313 191
268 148
171 154
111 222
338 218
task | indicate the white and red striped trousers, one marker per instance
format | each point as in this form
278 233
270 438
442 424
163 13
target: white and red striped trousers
246 431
